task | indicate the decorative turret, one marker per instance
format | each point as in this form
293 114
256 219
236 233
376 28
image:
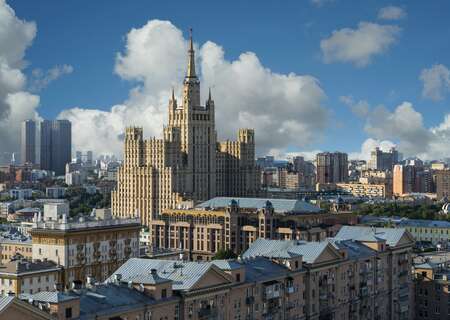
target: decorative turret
173 100
210 102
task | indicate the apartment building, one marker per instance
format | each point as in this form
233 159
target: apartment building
363 273
443 184
235 223
432 275
13 244
93 245
434 231
365 190
26 276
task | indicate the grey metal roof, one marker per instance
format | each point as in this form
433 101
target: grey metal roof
5 301
262 269
279 205
48 296
424 223
392 236
354 249
148 279
110 299
310 251
227 264
183 274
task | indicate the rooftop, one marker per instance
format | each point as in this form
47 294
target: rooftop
284 249
287 206
424 223
392 236
24 266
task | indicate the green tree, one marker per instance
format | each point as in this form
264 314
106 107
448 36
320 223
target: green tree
224 254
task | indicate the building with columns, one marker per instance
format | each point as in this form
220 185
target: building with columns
187 163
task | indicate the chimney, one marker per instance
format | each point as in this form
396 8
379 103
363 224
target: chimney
117 278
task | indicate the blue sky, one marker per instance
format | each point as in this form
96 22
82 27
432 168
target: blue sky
87 35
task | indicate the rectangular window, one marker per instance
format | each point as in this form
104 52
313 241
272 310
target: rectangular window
68 313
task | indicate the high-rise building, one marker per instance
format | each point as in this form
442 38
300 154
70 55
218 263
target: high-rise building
443 184
332 167
187 162
56 145
380 160
404 181
28 141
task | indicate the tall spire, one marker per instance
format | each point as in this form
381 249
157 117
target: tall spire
209 95
191 62
173 94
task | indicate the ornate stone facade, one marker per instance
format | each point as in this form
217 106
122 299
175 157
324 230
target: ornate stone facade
187 163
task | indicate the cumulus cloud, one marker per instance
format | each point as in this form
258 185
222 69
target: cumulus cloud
360 45
391 13
368 145
360 108
436 82
285 109
16 104
41 79
404 127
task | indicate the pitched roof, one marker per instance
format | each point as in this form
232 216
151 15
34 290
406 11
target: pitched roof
5 302
355 250
424 223
183 274
392 236
227 264
310 251
279 205
48 296
25 266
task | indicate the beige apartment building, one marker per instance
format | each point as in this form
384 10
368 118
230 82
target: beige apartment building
366 189
94 245
10 247
362 273
225 223
187 163
26 276
432 281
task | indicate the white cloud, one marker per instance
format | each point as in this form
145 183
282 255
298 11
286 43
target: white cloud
369 145
391 13
285 110
436 82
360 45
41 79
360 108
15 104
404 127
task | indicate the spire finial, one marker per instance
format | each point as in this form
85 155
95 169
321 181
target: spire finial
173 94
191 62
191 44
209 96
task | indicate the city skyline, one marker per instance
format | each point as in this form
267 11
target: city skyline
316 111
